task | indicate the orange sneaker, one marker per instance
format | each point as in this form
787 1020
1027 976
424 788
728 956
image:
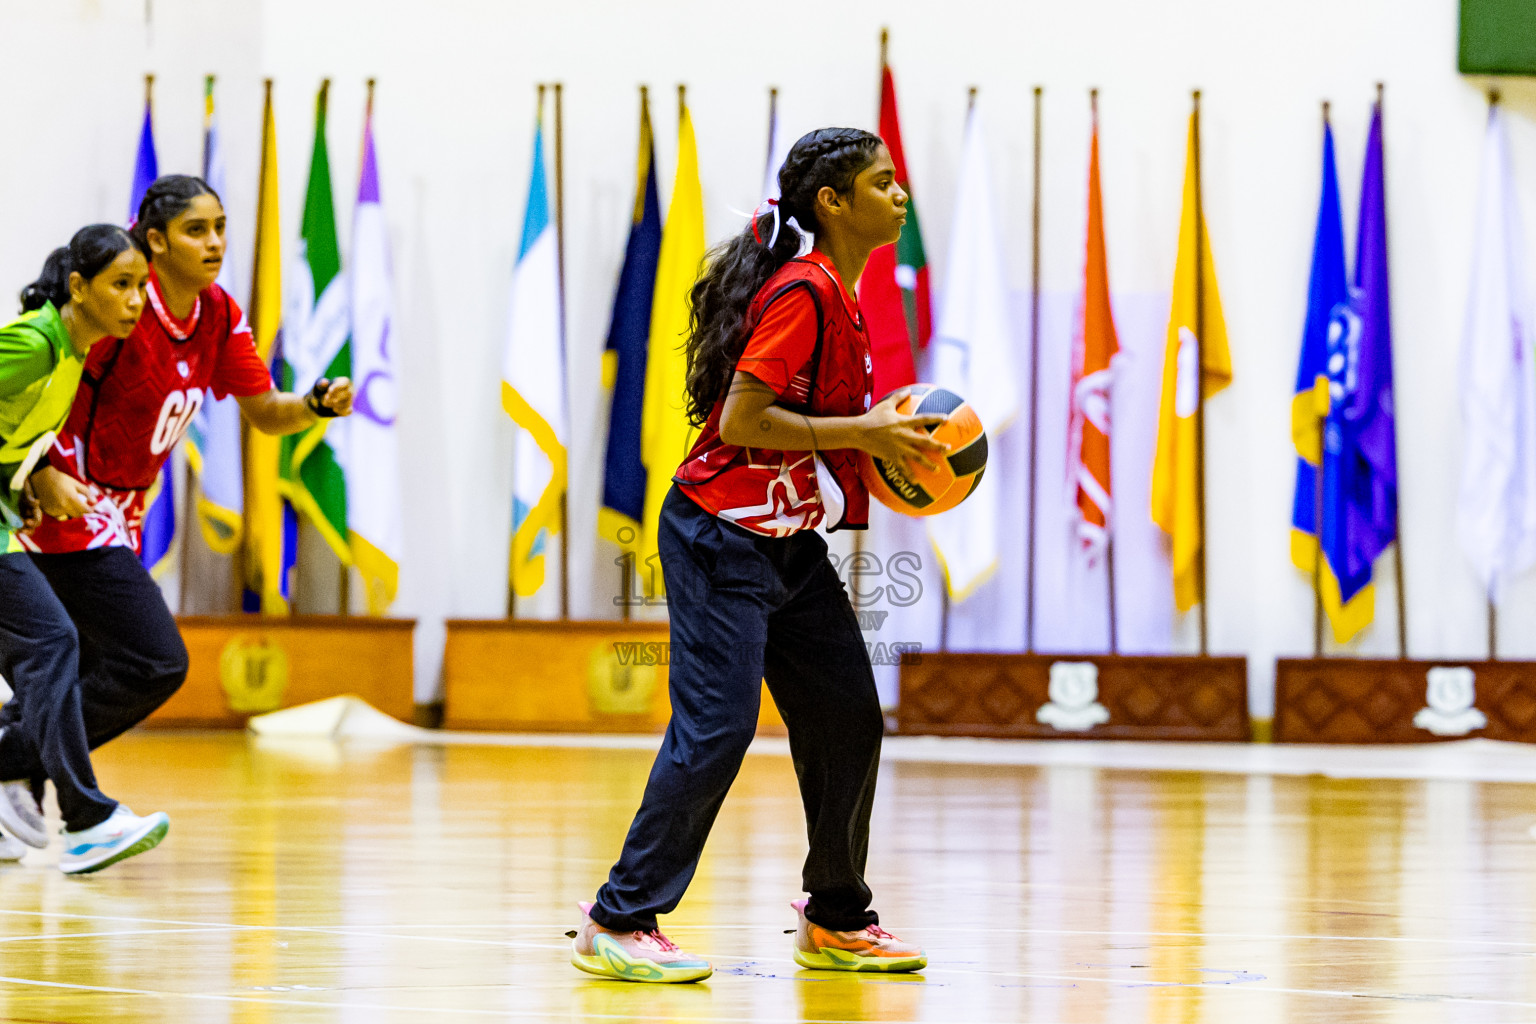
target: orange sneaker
632 956
869 949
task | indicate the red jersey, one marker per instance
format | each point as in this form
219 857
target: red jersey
808 344
137 397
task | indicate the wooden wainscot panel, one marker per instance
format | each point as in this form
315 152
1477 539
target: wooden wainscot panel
1366 700
244 665
1072 696
523 675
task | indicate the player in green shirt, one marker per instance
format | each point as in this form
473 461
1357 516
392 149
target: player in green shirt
91 289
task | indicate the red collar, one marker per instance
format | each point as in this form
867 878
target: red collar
181 330
823 261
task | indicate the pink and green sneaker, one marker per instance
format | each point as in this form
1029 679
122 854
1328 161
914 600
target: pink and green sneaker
868 949
633 956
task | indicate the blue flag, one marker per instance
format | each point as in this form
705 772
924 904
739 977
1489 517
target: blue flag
146 168
158 538
624 359
1342 409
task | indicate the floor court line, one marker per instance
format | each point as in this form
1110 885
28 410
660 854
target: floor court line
1255 989
932 971
355 930
113 935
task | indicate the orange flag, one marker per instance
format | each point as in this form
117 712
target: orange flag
1093 349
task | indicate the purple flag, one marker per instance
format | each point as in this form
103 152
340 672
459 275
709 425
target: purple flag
1360 460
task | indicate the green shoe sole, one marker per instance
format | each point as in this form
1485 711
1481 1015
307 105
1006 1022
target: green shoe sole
610 961
842 960
149 842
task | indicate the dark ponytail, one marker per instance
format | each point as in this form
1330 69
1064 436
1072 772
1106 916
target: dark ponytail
164 201
91 251
736 269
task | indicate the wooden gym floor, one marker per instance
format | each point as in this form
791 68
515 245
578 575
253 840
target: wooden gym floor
312 881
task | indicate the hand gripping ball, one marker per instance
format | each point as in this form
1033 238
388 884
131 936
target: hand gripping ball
915 490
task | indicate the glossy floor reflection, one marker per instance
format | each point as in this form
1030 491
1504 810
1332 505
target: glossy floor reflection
316 882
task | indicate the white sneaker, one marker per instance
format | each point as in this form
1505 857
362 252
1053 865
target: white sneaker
11 848
20 815
121 836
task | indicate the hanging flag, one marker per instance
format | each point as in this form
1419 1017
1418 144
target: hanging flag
1496 510
533 382
893 293
623 508
213 440
316 322
376 533
665 434
1092 355
1359 436
146 166
1189 362
779 145
158 537
1330 319
973 355
271 539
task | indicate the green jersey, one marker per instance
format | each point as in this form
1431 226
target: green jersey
39 374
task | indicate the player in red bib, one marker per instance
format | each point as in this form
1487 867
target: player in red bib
137 396
779 378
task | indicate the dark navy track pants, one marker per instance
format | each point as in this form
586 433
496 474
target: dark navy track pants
744 609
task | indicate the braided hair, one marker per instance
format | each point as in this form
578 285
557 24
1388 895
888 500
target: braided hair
736 269
165 200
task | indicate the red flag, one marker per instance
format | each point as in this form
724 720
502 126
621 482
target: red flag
893 293
1094 347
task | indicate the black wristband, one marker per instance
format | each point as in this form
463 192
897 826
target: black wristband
314 401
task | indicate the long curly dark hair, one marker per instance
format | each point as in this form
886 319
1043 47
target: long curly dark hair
736 269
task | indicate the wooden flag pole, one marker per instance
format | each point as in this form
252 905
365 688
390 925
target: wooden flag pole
247 554
885 43
512 590
1493 610
344 571
627 558
149 90
773 116
565 488
1397 519
944 604
1109 525
1034 390
1317 516
1200 379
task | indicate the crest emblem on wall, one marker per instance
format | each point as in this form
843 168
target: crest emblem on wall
1450 696
1074 705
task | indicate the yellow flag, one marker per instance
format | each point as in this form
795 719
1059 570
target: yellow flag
1175 487
665 433
264 568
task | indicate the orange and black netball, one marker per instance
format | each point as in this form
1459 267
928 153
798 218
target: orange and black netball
915 490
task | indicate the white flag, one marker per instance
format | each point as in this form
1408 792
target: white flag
533 389
214 439
972 354
1496 512
376 532
779 145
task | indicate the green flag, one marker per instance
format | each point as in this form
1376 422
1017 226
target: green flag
316 344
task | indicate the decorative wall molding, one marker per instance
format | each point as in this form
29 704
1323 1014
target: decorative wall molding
1369 700
1074 696
243 665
